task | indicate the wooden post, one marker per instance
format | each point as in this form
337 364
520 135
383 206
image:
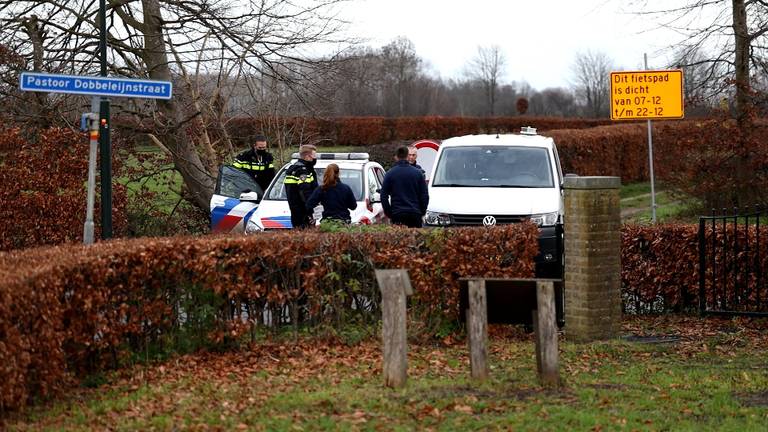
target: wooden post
394 286
545 328
477 329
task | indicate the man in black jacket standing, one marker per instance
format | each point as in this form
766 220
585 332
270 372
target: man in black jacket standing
300 182
257 162
404 193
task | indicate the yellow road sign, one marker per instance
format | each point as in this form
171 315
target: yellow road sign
652 94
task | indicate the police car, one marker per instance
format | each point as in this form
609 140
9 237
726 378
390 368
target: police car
234 200
363 176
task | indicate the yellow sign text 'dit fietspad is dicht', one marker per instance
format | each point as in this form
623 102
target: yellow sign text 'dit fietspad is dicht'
641 95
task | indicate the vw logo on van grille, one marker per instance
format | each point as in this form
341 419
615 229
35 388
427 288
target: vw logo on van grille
489 221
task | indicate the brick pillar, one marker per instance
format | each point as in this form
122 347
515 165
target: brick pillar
592 258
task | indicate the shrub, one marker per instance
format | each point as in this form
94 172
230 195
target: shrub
70 310
371 131
43 189
659 268
717 163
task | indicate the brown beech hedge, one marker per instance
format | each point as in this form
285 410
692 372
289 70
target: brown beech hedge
660 267
42 188
367 131
70 310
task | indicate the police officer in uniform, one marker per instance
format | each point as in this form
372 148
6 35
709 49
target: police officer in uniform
257 162
300 182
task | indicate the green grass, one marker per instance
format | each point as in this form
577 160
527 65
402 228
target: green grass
636 205
701 383
634 189
152 175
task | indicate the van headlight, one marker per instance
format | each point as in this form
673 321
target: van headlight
435 218
546 219
252 227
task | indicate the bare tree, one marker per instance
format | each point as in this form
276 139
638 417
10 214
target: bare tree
176 40
591 81
736 35
400 69
357 83
733 32
553 102
487 67
700 97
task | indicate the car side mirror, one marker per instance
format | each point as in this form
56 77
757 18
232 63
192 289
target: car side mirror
250 197
375 198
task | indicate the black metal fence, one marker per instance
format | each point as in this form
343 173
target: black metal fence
732 262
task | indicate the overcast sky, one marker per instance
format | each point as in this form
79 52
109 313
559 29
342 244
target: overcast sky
540 38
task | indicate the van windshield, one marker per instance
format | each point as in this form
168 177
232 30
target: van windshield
350 177
494 166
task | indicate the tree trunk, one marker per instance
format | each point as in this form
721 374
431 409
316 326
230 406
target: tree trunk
198 180
741 35
38 102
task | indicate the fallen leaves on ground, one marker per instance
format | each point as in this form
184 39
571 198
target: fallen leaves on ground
187 388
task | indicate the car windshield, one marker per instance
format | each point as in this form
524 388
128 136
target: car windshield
494 166
232 182
349 176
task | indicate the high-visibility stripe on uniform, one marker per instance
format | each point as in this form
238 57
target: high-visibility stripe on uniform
252 166
290 179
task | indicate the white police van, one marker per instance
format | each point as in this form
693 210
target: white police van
501 179
362 175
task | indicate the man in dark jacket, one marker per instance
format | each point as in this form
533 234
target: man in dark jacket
404 193
300 182
257 162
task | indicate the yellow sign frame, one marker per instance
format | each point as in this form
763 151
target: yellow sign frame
647 95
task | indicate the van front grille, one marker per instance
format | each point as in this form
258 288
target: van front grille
462 219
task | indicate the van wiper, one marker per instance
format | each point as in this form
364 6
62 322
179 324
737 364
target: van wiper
453 185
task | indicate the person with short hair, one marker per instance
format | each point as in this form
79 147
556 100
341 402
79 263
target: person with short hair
412 160
257 162
336 197
300 182
404 193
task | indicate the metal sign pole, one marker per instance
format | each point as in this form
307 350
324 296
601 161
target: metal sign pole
104 140
650 159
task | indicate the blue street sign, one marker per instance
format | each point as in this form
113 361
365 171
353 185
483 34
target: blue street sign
95 86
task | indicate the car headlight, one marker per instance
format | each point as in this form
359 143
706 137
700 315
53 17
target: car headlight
435 218
252 227
546 219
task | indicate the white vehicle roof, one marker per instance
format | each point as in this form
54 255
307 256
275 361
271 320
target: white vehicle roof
343 160
322 163
501 139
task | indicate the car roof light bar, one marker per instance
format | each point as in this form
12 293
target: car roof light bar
527 130
338 156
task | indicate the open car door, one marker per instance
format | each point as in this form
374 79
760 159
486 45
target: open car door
236 197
